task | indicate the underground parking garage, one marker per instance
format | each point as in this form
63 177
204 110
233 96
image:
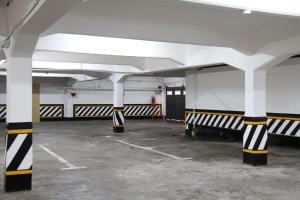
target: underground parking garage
149 100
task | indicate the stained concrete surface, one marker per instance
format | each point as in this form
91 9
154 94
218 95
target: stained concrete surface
118 171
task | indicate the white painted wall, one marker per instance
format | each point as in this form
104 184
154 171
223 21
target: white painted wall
224 90
96 92
215 90
174 82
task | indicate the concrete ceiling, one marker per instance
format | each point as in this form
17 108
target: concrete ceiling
178 22
248 40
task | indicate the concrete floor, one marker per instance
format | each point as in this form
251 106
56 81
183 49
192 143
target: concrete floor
118 170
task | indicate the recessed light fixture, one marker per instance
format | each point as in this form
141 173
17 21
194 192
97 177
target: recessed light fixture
247 12
2 57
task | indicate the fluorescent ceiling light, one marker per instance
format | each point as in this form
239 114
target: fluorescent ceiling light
247 12
83 66
284 7
2 57
2 62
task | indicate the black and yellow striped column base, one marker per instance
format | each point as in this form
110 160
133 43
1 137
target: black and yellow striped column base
255 157
17 180
255 141
18 159
188 129
118 119
118 129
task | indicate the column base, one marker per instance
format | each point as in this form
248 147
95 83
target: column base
255 158
118 129
188 133
188 130
18 171
15 183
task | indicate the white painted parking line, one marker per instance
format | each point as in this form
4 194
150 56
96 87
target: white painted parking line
132 132
152 150
69 165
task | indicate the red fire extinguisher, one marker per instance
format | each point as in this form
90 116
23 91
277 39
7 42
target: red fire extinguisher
153 100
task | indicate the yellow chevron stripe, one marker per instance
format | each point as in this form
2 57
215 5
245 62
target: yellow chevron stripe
102 116
118 126
51 117
255 123
19 172
142 115
51 106
19 131
241 115
255 151
285 118
215 113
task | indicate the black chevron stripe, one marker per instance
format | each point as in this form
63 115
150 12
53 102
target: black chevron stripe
278 126
44 111
208 120
198 117
90 113
294 132
23 150
118 118
108 111
203 120
219 122
138 112
79 110
232 122
250 136
270 124
10 140
215 119
287 127
241 120
47 111
226 121
143 110
82 110
258 141
57 113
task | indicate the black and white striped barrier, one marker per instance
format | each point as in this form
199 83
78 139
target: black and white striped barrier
118 119
18 157
284 126
144 110
106 111
280 124
92 111
51 111
255 140
2 112
217 120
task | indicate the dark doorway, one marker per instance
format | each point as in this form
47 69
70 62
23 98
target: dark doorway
175 103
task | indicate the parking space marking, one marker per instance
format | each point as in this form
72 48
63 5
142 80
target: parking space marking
69 165
153 150
134 133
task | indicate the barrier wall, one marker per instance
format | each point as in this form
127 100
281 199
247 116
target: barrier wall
278 124
51 112
103 111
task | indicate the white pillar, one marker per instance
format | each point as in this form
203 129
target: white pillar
255 120
68 105
255 93
18 156
118 107
118 91
19 90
